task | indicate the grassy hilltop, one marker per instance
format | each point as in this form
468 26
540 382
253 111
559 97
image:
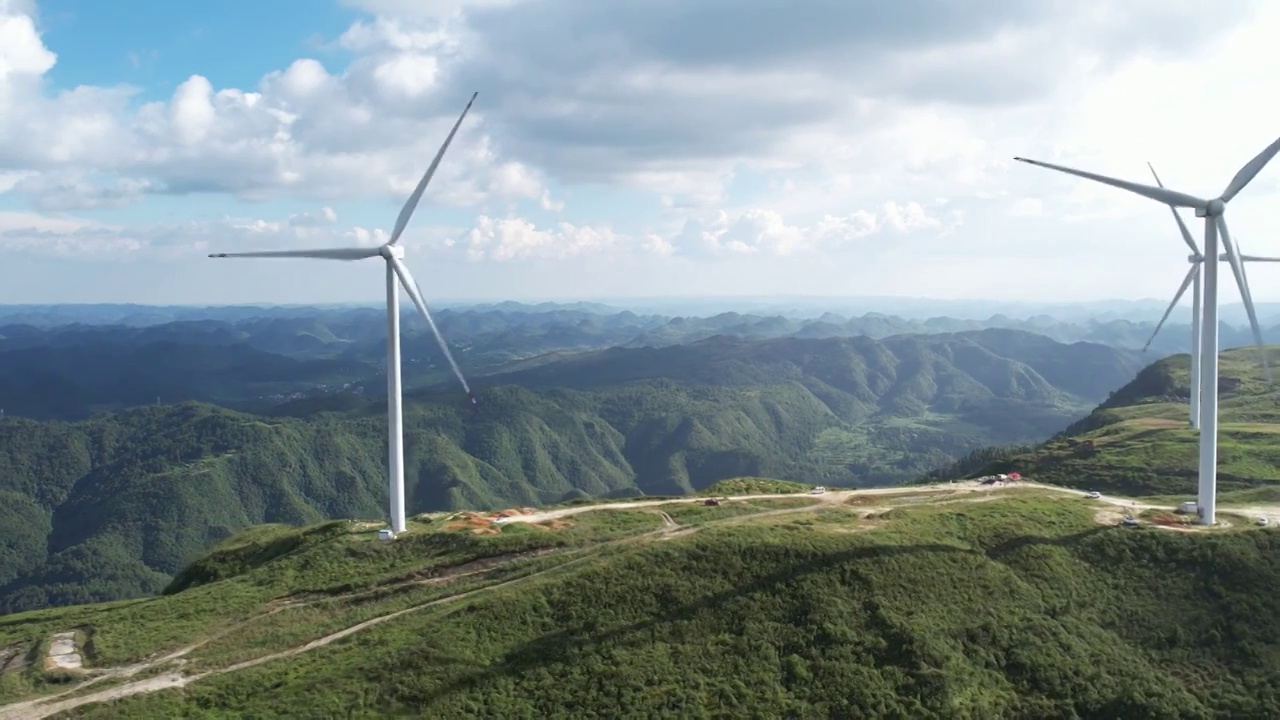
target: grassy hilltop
1140 441
951 601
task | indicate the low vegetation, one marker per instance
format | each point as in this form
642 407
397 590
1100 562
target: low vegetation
1140 441
755 486
1021 605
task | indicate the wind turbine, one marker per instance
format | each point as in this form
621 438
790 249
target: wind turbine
1213 211
393 254
1192 279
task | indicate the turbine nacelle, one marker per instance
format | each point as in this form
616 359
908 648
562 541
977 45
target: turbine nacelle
1213 208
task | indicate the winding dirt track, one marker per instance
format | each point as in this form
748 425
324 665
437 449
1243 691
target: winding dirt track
53 704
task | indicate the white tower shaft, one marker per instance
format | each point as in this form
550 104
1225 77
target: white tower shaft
395 415
1208 380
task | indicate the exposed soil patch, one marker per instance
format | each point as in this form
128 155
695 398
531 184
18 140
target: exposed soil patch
63 654
1108 515
14 658
484 523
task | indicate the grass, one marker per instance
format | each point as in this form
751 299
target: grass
1020 604
1140 443
754 486
695 513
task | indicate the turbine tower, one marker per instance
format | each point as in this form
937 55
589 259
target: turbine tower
1213 211
1192 279
393 254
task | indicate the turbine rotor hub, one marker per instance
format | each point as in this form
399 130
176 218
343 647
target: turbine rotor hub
1216 207
391 251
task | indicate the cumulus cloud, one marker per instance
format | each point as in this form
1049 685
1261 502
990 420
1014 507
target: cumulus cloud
70 236
325 216
516 238
850 109
766 231
602 90
370 129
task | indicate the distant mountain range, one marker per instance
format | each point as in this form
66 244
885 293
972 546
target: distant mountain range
252 358
114 505
796 307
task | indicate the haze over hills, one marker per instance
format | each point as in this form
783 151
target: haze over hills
229 355
796 307
115 505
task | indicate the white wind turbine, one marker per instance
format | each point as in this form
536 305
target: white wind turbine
1193 280
396 270
1212 210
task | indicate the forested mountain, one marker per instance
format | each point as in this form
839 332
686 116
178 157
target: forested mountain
112 506
253 362
73 381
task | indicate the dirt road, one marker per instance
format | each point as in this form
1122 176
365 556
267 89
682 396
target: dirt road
831 496
54 704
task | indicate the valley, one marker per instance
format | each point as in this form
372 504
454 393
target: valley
114 505
647 515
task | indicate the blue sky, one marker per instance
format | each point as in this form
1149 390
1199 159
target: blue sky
853 150
156 45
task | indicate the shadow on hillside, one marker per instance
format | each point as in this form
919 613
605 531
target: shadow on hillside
1002 551
561 646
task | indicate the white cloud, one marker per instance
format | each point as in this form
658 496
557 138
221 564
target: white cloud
303 132
325 216
759 230
516 238
84 238
761 132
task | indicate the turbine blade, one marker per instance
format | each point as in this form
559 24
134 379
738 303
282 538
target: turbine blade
1182 227
1168 197
1258 258
415 293
353 253
1250 171
1237 268
1244 271
1154 175
1186 282
407 211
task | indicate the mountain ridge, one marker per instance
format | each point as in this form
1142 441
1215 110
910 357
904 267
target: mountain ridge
135 494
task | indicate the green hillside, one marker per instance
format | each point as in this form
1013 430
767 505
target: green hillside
852 605
1140 442
113 506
